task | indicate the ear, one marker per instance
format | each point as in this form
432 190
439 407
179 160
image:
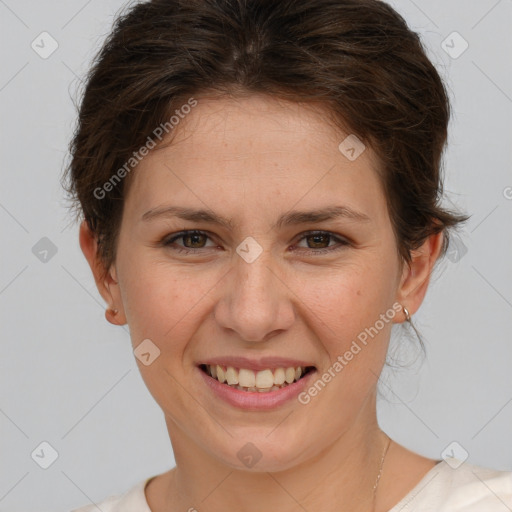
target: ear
106 281
416 275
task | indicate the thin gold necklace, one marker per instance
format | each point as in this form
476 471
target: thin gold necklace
380 472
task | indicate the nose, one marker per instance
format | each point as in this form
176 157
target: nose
256 302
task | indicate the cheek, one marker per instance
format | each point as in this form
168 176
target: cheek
344 314
163 303
346 300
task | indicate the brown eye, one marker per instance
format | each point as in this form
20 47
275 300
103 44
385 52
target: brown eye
192 241
318 242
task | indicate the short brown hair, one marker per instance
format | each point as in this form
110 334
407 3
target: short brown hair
358 58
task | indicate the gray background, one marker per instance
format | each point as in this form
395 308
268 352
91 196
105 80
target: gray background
69 378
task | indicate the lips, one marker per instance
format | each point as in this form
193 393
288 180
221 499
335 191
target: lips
254 398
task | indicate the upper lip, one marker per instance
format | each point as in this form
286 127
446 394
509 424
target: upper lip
256 364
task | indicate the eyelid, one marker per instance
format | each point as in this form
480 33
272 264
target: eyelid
342 241
169 239
340 238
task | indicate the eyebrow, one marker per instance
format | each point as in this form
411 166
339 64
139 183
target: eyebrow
291 218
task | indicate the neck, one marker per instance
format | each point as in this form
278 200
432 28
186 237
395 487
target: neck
339 478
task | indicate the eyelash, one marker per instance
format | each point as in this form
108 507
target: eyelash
166 242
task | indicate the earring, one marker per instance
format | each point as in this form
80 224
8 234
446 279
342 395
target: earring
110 313
407 315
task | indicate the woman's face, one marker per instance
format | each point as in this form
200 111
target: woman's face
261 287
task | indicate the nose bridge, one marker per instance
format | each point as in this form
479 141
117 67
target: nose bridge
255 303
252 261
254 280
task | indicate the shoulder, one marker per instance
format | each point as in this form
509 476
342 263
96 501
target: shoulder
133 500
476 488
454 486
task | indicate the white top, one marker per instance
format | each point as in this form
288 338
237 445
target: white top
468 488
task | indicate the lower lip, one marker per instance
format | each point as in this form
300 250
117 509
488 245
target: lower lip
254 400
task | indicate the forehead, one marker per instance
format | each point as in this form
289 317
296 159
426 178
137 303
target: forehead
244 125
259 146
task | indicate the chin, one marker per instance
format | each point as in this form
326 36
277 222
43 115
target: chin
259 453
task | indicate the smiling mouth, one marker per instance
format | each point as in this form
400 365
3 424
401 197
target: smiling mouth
271 379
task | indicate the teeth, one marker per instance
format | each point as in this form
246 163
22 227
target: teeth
261 381
221 376
231 376
279 376
289 375
265 379
246 378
